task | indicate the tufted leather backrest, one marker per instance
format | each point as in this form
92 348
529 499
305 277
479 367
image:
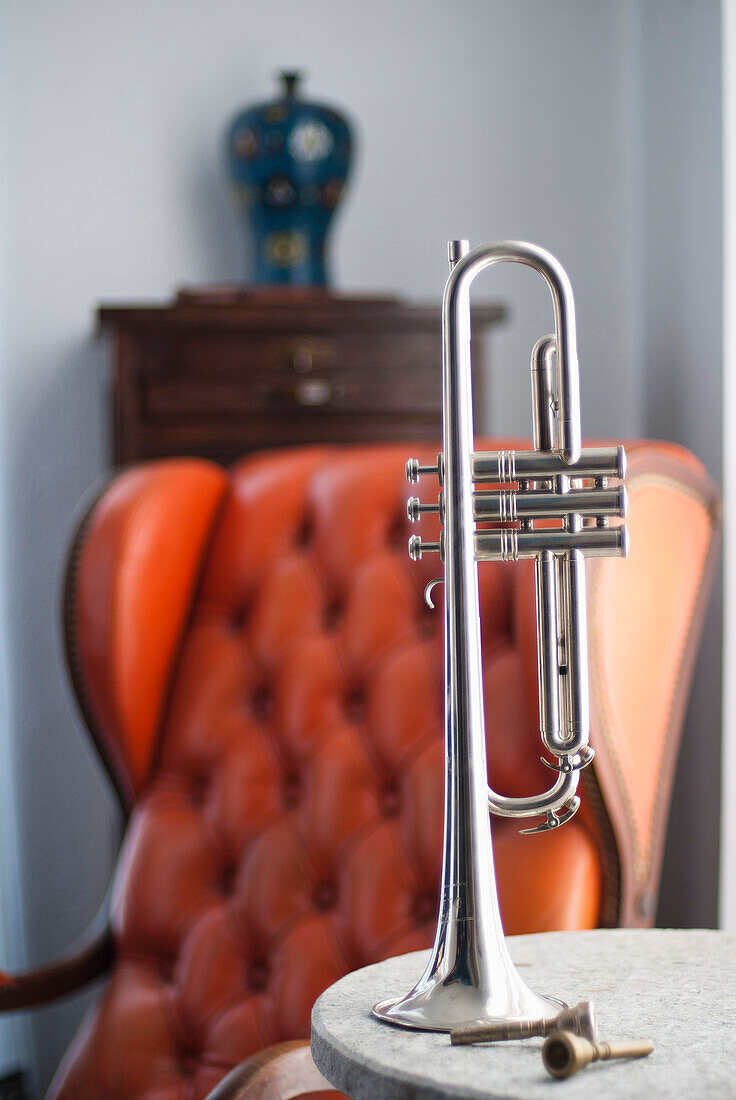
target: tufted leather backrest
283 761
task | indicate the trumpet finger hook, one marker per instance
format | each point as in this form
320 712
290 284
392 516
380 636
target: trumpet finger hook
428 591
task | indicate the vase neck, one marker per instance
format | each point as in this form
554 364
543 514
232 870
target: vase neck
290 80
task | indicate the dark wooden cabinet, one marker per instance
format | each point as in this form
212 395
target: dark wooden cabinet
218 376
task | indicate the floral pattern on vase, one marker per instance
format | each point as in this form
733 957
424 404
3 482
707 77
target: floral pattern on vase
289 162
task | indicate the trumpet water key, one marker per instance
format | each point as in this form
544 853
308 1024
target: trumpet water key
470 977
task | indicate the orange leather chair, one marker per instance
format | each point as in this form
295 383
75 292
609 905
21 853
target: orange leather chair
264 685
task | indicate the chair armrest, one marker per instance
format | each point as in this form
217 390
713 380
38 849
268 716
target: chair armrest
47 983
88 957
279 1072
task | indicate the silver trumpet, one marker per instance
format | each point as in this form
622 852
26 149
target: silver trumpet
470 976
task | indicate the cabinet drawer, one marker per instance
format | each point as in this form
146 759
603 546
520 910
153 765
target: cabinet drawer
233 355
221 378
181 396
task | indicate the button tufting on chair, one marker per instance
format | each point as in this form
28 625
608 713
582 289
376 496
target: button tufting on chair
264 683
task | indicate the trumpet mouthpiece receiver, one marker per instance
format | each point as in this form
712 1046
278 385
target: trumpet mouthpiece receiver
456 250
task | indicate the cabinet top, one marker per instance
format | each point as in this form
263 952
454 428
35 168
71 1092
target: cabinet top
237 308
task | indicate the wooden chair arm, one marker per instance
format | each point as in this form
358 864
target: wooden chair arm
47 983
279 1072
88 957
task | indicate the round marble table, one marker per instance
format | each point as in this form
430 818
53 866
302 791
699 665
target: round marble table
677 988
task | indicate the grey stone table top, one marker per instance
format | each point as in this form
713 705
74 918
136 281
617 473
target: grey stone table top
674 987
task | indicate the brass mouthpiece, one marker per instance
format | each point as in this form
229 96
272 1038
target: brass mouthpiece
580 1020
564 1053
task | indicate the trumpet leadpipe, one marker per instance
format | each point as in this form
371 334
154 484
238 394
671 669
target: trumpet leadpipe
509 544
510 504
506 466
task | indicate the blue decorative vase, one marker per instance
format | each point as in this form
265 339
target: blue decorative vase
289 160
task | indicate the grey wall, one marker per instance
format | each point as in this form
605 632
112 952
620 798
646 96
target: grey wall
682 365
727 906
524 118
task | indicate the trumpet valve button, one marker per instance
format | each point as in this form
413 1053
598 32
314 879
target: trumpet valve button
414 469
415 509
417 547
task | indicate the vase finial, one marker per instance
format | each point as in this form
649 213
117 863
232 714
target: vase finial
290 79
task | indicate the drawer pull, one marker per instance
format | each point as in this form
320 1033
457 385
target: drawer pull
314 392
304 354
308 392
302 360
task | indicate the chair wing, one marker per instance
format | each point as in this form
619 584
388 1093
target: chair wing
130 580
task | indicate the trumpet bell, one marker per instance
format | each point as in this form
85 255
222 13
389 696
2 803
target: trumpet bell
444 998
